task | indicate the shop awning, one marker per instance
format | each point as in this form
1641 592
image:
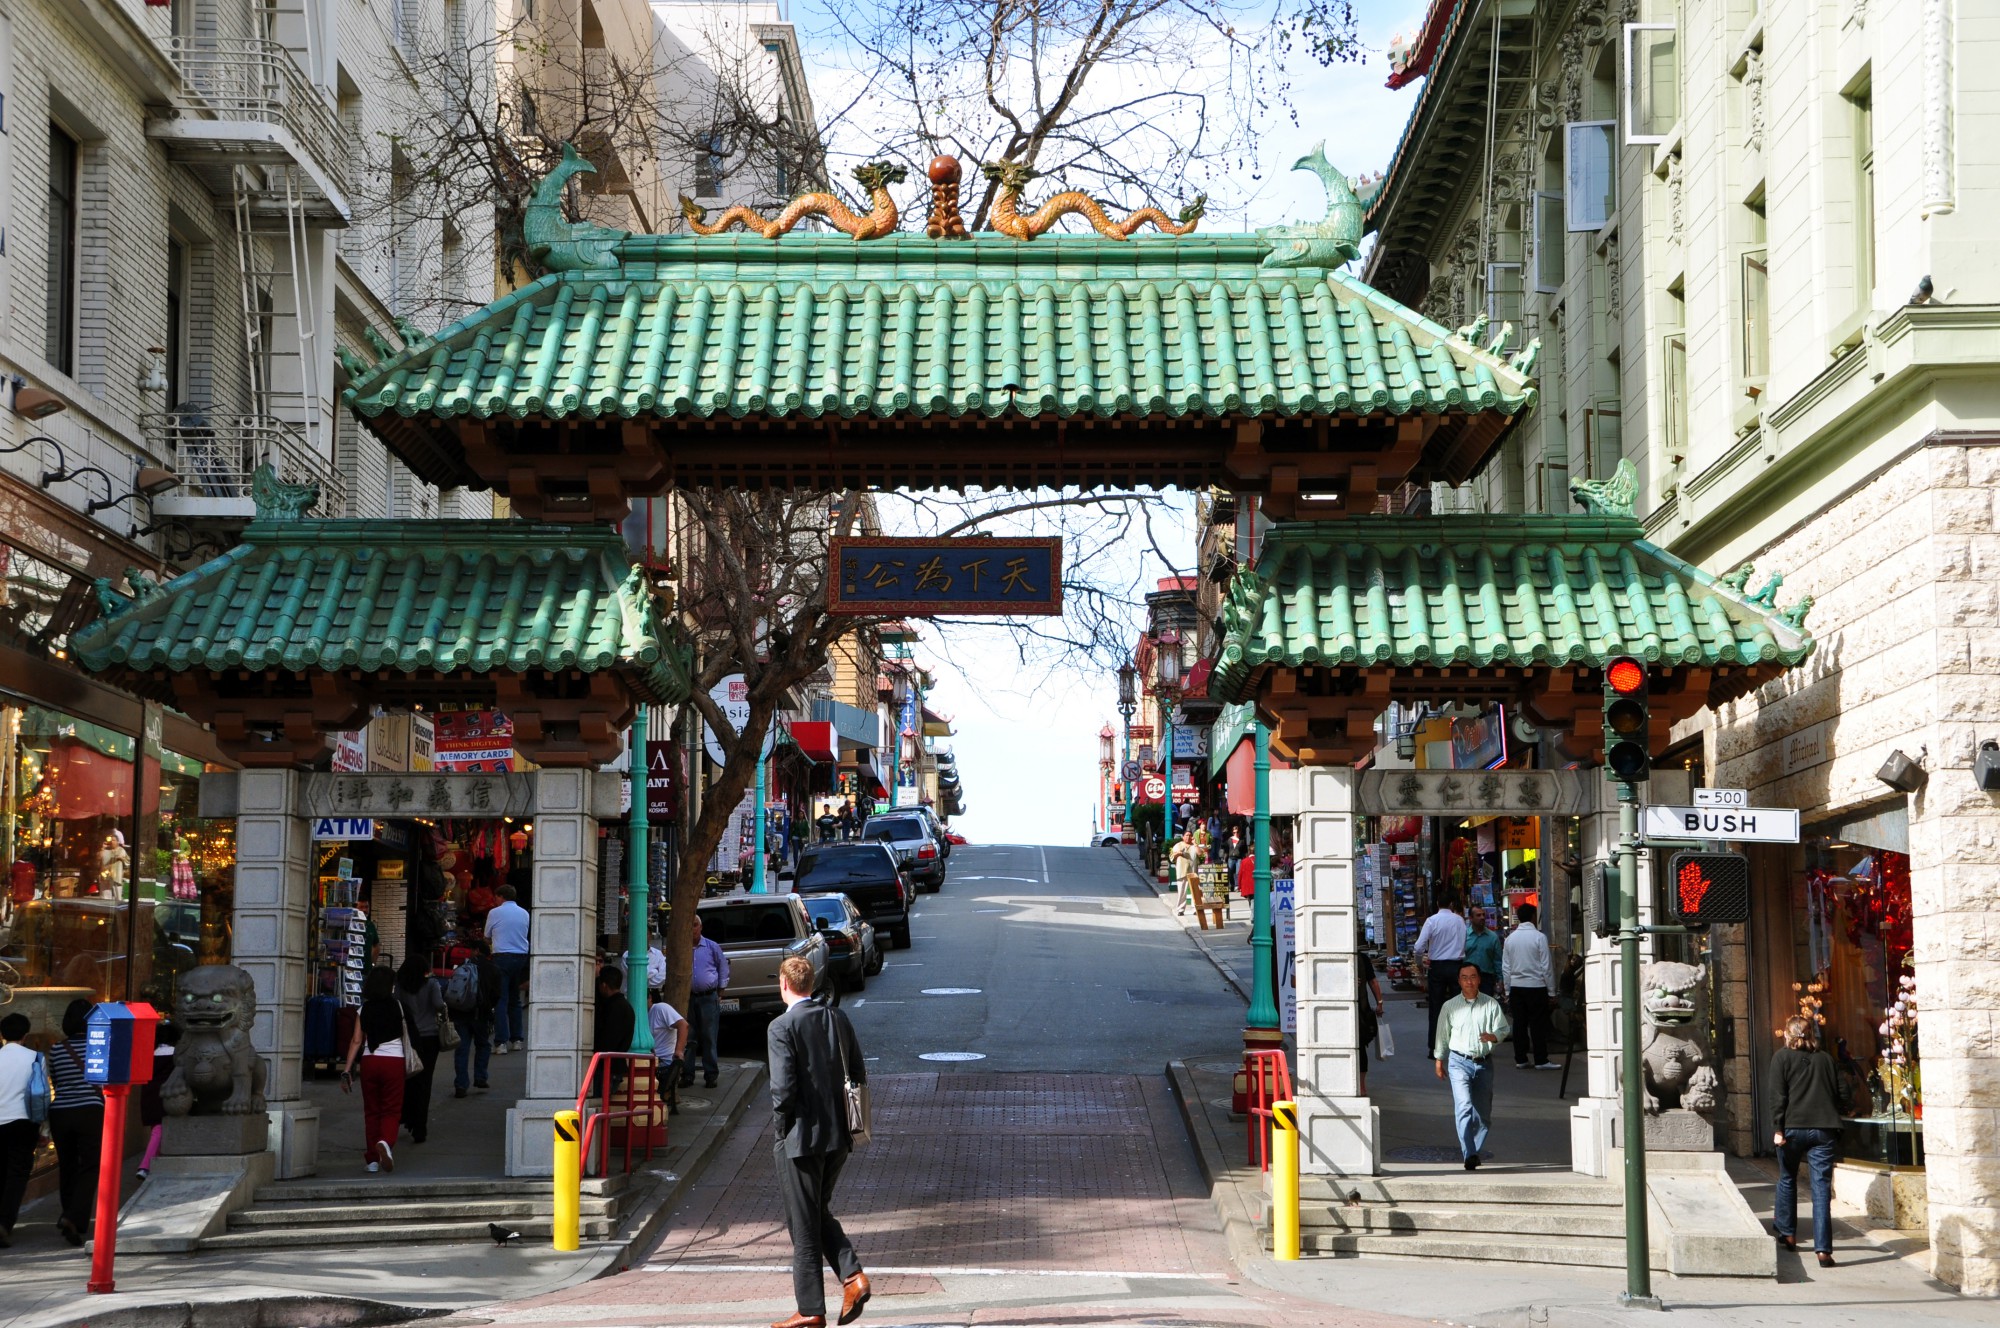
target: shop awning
817 740
1341 618
855 728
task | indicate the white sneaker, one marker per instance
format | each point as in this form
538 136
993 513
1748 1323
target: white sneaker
374 1166
520 1045
499 1049
388 1158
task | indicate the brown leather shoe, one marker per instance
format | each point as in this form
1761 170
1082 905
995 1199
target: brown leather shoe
802 1321
854 1296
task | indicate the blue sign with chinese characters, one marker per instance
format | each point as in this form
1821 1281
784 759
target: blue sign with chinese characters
902 577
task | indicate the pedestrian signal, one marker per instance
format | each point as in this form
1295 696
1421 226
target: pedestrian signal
1710 887
1627 723
1600 898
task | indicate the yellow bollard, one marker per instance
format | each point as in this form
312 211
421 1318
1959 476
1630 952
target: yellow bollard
1285 1180
569 1179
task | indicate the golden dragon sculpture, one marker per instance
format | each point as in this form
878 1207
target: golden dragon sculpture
1007 219
881 219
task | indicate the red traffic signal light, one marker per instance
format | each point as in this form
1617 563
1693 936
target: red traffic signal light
1710 887
1626 676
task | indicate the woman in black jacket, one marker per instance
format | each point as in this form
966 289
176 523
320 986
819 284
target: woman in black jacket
1805 1114
423 1002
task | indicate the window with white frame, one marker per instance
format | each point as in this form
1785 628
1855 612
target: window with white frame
1674 358
1756 315
1590 177
1504 302
1652 81
1549 241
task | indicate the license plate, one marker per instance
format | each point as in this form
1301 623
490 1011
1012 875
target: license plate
731 1006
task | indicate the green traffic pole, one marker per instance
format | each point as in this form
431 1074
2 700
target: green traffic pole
637 889
1638 1253
1263 944
1167 835
757 835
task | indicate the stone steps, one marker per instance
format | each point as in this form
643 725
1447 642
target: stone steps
1571 1252
1445 1219
316 1213
1550 1219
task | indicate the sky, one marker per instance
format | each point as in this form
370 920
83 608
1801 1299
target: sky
1026 736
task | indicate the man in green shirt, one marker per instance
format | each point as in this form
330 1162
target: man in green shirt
1470 1026
1482 947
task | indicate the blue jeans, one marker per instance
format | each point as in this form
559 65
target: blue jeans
1471 1099
507 1024
1816 1149
704 1028
478 1032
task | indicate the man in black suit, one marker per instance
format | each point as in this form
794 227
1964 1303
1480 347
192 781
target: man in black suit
808 1044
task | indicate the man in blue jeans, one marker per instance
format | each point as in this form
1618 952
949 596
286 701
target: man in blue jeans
1470 1026
708 977
507 930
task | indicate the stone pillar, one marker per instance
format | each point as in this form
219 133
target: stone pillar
273 905
562 965
1338 1127
1595 1121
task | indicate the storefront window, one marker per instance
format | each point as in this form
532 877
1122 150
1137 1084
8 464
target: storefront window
100 903
1853 945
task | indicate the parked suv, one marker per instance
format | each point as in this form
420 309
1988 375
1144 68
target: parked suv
930 820
867 873
917 850
759 932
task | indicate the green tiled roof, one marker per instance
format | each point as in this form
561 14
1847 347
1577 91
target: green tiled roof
1485 591
467 596
807 326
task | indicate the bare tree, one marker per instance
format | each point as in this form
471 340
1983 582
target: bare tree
1127 97
754 570
488 117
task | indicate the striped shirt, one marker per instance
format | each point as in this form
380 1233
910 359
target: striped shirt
66 1077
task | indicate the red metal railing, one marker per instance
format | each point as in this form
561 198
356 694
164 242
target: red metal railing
1270 1080
641 1112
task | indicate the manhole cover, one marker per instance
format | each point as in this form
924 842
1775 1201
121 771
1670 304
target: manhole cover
1426 1153
951 991
951 1056
696 1103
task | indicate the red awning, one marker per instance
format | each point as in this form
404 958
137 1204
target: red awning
816 739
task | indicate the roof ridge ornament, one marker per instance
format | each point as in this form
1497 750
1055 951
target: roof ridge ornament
1615 497
278 500
110 603
1013 177
561 245
880 220
1332 242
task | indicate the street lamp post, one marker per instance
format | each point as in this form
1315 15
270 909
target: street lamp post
1105 757
1128 701
1167 667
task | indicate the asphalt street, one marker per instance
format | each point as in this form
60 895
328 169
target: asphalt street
1038 1173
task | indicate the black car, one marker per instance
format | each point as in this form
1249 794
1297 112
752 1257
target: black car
915 847
866 873
853 953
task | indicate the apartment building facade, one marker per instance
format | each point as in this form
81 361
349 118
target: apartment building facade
1749 239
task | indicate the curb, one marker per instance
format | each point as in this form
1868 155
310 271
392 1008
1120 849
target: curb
655 1202
1222 966
667 1190
1241 1229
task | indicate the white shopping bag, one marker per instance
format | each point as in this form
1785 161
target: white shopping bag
1385 1041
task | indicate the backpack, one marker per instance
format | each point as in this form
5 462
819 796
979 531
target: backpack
39 1092
461 992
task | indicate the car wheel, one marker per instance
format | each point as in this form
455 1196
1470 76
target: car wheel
858 982
830 993
874 965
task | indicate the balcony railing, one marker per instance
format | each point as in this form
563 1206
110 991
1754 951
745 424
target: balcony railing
254 80
216 456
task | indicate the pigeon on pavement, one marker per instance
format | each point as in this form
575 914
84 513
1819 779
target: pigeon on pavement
501 1235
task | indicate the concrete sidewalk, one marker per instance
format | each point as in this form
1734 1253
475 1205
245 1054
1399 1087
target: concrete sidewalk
328 1287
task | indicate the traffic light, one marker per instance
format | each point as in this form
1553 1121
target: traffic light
1710 887
1600 898
1627 725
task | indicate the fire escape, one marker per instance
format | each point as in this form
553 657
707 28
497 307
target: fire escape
255 128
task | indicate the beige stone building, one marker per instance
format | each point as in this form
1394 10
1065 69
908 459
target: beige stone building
1752 240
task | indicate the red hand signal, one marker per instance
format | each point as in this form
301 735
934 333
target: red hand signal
1694 888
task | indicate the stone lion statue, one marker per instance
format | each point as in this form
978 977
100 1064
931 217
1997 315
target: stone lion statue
216 1072
1676 1065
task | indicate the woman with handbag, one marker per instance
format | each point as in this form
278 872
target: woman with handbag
380 1049
423 1003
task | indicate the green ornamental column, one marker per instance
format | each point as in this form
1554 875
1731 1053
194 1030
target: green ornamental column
1263 943
638 888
